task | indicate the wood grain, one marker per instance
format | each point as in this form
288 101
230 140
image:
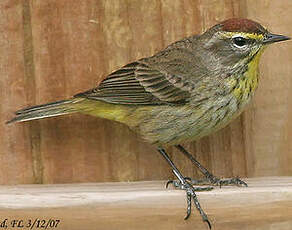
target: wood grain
268 118
15 142
265 204
55 49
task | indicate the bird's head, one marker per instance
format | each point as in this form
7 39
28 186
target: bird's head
235 42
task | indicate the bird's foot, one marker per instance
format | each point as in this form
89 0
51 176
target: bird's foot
230 181
191 196
211 180
177 184
215 181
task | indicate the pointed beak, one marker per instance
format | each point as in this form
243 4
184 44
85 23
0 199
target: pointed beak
271 38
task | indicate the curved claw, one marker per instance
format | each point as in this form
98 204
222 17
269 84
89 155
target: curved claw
205 219
239 182
189 208
168 182
220 183
209 224
188 178
242 182
188 215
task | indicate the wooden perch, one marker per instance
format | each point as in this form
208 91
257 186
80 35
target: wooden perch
265 204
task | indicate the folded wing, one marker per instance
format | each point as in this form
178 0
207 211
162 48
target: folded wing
139 84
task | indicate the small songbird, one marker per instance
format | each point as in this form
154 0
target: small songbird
190 89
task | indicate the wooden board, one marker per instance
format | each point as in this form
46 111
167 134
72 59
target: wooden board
268 121
55 49
265 204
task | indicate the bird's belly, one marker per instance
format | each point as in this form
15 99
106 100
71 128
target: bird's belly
167 125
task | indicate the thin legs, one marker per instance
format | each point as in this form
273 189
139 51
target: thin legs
209 176
190 190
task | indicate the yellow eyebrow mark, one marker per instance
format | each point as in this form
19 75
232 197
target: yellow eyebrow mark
242 34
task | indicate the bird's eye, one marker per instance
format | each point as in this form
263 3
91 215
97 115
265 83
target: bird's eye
239 41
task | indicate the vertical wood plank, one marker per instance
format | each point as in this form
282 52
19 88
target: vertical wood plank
268 119
15 142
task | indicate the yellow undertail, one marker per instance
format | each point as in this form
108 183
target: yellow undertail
81 105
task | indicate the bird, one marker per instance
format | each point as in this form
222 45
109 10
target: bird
190 89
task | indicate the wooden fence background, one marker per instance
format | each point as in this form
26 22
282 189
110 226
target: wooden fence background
53 49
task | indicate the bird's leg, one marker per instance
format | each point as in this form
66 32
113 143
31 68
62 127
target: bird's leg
188 187
210 178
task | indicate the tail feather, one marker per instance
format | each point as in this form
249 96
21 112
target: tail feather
47 110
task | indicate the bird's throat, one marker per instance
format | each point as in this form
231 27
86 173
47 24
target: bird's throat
248 82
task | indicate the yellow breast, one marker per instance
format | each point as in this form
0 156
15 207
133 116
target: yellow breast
248 83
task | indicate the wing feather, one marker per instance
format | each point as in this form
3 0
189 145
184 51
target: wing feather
137 83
